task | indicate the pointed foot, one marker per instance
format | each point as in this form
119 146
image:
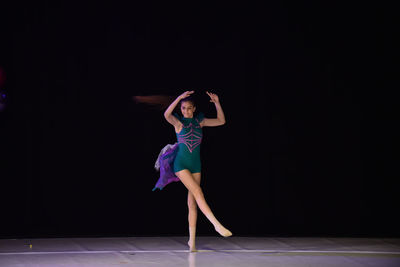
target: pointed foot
223 231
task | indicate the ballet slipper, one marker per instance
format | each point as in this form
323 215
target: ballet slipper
192 246
223 231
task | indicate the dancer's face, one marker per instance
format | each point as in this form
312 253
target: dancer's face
187 109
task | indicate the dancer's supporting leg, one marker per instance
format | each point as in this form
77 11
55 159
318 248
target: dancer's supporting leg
192 217
187 179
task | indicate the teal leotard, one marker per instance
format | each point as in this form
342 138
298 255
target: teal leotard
189 140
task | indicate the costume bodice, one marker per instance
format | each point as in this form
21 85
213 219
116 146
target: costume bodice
190 137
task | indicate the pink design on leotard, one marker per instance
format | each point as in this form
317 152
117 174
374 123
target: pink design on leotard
192 139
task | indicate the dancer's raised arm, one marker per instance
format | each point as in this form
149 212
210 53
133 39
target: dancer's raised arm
220 120
168 112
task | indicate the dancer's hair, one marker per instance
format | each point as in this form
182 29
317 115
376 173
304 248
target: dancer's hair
187 99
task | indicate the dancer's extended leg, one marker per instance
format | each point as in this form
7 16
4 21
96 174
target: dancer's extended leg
192 216
187 179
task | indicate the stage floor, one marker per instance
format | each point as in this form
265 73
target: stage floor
213 251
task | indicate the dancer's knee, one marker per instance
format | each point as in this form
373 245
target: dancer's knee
197 192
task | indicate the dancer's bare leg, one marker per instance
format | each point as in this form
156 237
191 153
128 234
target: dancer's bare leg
192 217
188 180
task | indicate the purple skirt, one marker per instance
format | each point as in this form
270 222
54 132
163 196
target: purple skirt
165 163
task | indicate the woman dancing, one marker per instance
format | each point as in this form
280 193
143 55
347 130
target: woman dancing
182 161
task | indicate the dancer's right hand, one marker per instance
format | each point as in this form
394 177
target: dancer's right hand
186 94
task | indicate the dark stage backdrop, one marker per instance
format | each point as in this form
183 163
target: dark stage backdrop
308 144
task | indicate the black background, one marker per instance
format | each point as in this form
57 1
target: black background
308 147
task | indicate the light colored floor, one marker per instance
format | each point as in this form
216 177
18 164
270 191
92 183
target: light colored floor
213 251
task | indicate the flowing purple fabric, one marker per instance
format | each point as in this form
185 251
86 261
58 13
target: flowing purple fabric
166 162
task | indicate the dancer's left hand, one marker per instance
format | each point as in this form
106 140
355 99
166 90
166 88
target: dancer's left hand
213 97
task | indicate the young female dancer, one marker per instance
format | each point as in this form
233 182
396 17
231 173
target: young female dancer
184 158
